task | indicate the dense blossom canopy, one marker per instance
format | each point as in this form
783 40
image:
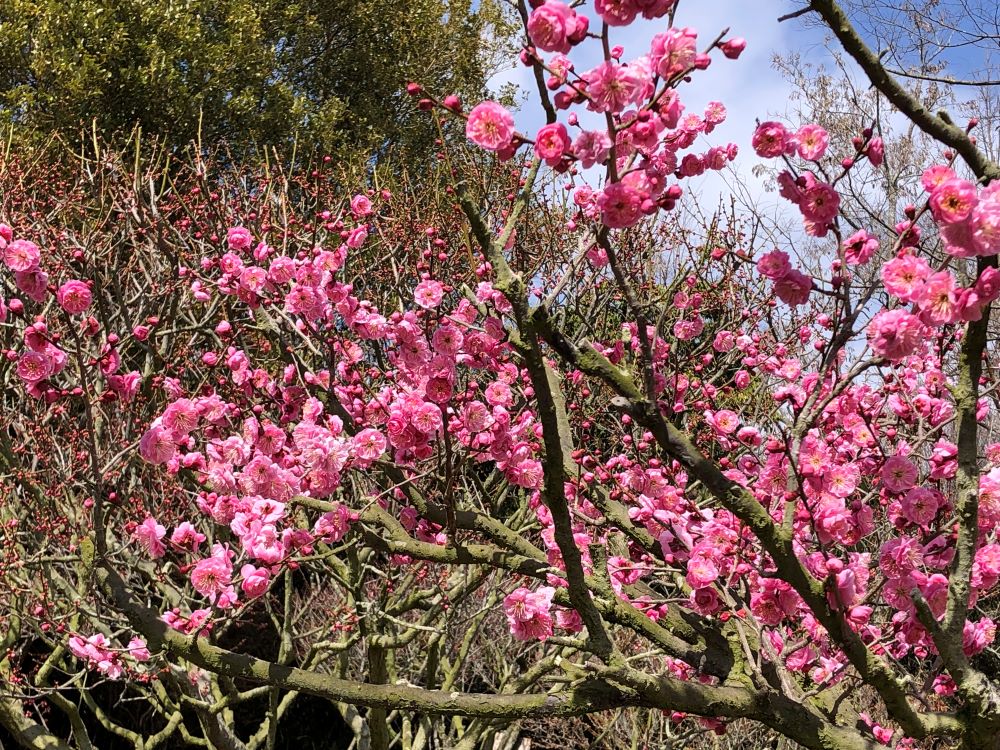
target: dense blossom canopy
735 485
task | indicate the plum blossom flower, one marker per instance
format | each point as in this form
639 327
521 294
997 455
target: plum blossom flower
551 142
550 26
157 445
33 367
724 341
898 474
701 571
715 114
211 576
770 139
895 334
369 444
527 473
361 206
447 339
976 636
689 328
333 525
148 534
935 176
21 255
876 152
673 51
988 285
812 141
621 205
905 275
953 200
898 557
612 87
725 421
820 203
920 505
938 300
428 293
592 147
616 12
498 393
859 248
255 580
529 613
490 126
841 481
137 649
239 238
774 265
97 652
793 288
186 536
357 237
126 386
74 297
253 278
984 223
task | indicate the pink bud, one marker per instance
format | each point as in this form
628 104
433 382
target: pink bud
733 48
563 100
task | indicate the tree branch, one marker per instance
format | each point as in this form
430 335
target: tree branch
938 128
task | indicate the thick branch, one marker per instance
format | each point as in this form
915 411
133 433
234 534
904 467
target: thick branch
741 503
220 661
551 411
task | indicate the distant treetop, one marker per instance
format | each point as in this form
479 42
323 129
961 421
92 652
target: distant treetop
328 73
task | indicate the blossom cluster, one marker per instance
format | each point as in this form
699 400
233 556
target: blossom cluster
323 411
641 130
98 651
816 199
855 481
254 466
41 359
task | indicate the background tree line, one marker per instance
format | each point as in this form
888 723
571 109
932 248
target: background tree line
328 74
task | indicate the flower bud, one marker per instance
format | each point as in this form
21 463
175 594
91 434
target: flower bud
733 48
